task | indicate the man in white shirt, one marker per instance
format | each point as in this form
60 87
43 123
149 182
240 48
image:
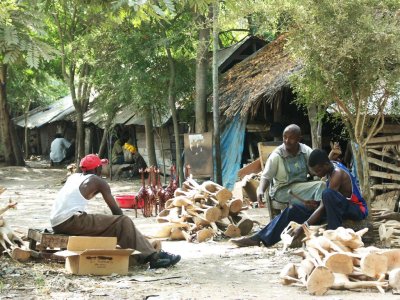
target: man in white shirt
69 215
58 149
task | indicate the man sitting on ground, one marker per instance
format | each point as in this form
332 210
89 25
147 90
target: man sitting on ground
340 200
117 152
68 215
59 149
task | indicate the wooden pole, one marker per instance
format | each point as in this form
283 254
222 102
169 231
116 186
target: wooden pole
217 140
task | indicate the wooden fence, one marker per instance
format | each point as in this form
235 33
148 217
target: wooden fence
384 164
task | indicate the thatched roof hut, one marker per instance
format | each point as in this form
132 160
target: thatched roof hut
243 92
256 79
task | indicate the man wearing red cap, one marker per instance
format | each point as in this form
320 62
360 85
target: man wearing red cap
69 216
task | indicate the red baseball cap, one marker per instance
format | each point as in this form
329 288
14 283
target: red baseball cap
92 161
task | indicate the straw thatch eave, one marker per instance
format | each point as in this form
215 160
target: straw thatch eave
257 78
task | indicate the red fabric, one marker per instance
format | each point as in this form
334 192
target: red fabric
92 161
357 201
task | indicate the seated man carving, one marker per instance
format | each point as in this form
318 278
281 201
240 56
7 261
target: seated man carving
340 200
286 169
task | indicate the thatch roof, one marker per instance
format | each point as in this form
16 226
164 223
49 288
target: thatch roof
257 78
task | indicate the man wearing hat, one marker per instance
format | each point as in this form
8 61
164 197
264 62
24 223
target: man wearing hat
69 216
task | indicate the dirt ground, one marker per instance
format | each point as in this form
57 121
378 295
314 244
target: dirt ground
211 270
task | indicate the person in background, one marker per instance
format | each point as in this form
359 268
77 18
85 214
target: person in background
69 216
58 149
117 152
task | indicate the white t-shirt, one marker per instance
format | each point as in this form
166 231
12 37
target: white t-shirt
58 149
69 200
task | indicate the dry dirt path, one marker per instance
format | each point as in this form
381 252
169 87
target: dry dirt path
211 270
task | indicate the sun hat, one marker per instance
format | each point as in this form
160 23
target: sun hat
92 161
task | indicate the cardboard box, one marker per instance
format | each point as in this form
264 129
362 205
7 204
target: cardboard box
95 255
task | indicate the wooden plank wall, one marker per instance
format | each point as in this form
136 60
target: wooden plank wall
384 160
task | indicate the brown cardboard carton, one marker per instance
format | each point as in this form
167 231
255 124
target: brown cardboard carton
95 255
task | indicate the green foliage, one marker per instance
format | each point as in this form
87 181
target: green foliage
257 16
132 66
350 51
21 35
147 9
29 88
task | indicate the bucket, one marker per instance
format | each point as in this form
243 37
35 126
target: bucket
126 201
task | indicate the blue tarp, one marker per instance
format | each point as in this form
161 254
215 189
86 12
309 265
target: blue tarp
232 143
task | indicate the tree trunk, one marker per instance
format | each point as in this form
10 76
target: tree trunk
80 97
315 124
4 118
17 147
80 134
151 150
201 76
172 106
217 138
361 159
103 144
26 143
26 138
12 155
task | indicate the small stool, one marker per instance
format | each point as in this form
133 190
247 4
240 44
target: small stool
47 243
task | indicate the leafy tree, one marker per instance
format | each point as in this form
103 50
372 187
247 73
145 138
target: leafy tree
133 67
350 52
30 88
74 24
21 40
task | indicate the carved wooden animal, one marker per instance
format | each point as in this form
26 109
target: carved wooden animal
7 235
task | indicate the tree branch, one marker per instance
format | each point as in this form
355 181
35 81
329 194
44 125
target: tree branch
380 119
61 36
342 106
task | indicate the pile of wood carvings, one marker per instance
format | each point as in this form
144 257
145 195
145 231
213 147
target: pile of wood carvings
386 230
337 259
199 212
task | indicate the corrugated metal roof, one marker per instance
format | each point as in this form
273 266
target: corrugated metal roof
392 107
126 115
98 118
140 120
47 114
225 53
94 116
